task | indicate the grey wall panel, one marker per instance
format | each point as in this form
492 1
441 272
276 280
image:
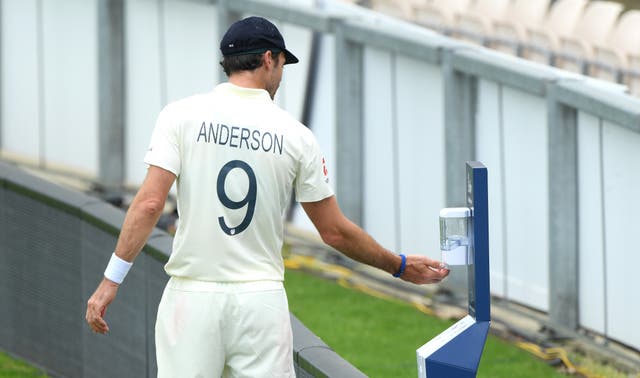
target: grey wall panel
460 101
70 84
420 155
526 174
562 217
190 34
112 95
380 199
323 119
621 159
171 53
20 128
349 124
591 225
145 86
510 124
490 150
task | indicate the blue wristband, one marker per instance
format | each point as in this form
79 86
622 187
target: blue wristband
403 265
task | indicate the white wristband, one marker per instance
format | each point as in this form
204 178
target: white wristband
117 269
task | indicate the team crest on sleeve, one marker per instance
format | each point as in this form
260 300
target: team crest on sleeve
325 172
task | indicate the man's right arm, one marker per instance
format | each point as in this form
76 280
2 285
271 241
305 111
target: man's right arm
141 217
339 232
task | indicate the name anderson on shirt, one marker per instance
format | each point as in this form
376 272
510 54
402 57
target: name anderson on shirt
240 137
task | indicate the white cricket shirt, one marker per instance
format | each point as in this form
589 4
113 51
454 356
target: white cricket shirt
237 157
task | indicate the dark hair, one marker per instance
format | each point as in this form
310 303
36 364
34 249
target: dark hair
245 62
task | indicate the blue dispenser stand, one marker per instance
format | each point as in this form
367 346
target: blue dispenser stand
456 352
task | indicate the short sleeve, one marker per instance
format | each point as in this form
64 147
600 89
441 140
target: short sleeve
312 183
164 150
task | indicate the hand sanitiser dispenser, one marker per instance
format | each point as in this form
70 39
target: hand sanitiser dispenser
464 241
454 235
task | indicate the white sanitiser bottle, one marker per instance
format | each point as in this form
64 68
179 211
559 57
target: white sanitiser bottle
454 236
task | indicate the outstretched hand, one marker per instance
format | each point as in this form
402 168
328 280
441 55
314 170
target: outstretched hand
423 270
97 305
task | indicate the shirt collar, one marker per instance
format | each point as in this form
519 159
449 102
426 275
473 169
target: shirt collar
244 92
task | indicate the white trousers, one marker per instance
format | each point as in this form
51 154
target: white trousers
215 329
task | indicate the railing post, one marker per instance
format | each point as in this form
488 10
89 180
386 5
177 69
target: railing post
111 95
563 214
459 130
459 110
349 125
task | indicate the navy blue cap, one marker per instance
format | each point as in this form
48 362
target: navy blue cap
254 35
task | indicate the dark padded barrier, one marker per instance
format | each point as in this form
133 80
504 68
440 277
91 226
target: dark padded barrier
54 245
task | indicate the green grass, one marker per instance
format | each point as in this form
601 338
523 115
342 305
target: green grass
380 336
13 368
377 336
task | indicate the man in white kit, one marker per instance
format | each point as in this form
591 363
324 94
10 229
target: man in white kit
236 157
